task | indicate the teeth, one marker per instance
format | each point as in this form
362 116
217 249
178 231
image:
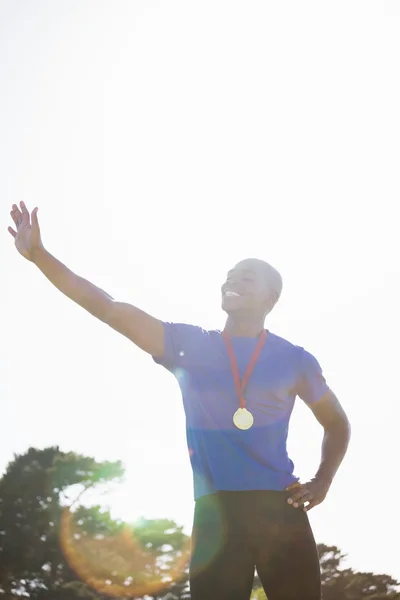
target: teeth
232 294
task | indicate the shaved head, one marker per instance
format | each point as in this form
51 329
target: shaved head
272 276
253 286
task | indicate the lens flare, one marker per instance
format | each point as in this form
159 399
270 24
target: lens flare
122 563
209 533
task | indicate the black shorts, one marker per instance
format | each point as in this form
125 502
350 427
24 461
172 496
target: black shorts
235 533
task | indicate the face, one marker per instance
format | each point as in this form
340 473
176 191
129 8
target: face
246 289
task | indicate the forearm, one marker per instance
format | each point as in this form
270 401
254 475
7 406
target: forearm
334 447
78 289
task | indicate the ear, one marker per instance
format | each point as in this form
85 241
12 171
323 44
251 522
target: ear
271 300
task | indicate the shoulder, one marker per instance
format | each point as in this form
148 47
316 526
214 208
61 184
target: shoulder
186 344
188 331
298 356
281 345
310 383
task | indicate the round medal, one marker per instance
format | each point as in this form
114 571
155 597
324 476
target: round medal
243 419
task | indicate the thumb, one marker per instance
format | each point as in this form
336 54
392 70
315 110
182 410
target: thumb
293 486
34 219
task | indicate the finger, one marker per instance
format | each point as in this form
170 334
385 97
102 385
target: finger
296 495
34 217
308 497
311 505
13 233
25 213
300 497
16 214
23 208
293 486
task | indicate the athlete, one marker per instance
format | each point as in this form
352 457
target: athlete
238 388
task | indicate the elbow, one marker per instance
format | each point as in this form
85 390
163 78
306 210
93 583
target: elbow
339 427
102 308
108 313
345 425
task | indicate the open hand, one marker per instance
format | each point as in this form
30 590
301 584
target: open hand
312 493
27 235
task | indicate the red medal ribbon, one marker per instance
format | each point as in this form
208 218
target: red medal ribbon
240 385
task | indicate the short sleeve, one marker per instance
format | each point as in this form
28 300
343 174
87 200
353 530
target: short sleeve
312 384
184 345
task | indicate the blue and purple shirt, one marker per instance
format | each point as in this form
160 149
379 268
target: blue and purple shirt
222 456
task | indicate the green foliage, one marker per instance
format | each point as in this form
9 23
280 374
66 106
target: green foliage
258 594
96 549
100 555
31 498
346 584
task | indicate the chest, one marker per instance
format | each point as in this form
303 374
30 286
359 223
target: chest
272 381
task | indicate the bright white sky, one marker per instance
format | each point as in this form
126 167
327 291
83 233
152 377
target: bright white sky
164 141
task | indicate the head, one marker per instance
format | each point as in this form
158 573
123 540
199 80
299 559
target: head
251 289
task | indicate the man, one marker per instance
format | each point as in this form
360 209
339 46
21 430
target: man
238 388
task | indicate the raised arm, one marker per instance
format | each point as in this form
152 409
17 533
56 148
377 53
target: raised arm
144 330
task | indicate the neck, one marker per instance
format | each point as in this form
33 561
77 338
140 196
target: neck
244 326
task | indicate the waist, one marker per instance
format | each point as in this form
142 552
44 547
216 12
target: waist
247 510
245 498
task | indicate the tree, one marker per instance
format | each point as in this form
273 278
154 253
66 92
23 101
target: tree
32 492
149 558
346 584
50 552
258 594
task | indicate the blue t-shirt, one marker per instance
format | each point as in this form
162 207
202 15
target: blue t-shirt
222 456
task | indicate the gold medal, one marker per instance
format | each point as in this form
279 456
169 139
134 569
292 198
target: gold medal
243 419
